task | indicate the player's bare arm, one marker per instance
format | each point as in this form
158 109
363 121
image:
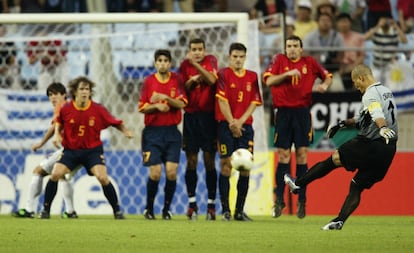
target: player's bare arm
159 97
323 87
226 110
205 75
125 131
57 137
46 137
246 114
150 108
189 84
278 79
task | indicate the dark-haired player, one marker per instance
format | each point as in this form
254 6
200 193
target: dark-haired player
291 77
199 73
57 97
161 101
237 95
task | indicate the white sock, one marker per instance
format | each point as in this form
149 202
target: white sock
67 188
35 189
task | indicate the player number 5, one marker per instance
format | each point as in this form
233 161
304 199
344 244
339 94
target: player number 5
81 130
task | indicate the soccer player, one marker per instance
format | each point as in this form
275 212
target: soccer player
291 78
237 95
57 97
370 153
199 73
162 99
78 128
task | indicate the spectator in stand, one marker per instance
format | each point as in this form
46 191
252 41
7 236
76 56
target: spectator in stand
325 6
142 6
8 63
386 36
51 55
268 25
265 8
4 6
185 5
210 5
74 6
304 23
376 10
355 8
406 15
351 58
31 6
326 37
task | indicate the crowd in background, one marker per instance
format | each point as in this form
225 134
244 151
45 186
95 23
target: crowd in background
335 24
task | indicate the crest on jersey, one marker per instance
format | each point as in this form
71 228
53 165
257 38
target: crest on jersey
91 121
173 91
304 69
249 86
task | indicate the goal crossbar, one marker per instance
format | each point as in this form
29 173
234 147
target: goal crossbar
241 19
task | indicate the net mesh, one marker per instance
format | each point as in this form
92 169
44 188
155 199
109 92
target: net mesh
117 57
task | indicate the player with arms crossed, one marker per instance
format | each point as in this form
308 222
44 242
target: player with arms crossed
78 128
237 95
199 73
370 153
57 97
161 101
291 78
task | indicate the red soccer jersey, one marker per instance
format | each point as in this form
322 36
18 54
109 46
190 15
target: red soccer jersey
201 96
82 127
294 92
173 88
239 91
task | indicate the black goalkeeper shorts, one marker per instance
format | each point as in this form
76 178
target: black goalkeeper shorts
371 158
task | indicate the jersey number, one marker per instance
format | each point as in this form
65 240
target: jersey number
223 149
81 131
391 108
240 96
295 80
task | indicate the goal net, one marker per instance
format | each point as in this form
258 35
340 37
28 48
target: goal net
116 52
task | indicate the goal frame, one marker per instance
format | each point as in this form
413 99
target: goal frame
241 19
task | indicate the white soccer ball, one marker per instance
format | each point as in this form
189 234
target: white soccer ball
242 159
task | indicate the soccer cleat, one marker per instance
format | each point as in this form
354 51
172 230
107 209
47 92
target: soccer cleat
192 213
72 215
301 212
211 214
277 209
291 183
226 216
119 215
166 215
242 216
333 225
149 215
23 213
44 215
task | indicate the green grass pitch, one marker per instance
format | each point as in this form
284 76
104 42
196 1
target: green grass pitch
285 234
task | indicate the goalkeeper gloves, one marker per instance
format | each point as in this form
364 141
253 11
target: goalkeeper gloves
387 133
332 129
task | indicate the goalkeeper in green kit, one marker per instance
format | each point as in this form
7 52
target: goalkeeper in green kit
370 153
